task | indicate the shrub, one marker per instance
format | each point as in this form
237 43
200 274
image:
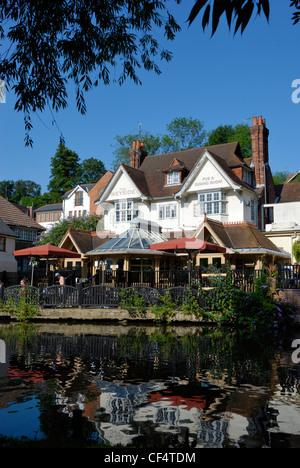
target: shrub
22 305
260 310
132 302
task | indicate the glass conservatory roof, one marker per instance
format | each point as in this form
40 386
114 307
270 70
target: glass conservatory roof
138 237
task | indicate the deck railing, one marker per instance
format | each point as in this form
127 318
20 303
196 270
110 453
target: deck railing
149 284
100 296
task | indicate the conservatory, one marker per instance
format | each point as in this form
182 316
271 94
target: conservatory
127 259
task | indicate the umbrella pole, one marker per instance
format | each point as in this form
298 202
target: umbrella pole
32 272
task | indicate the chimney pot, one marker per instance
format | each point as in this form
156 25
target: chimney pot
137 154
260 120
254 121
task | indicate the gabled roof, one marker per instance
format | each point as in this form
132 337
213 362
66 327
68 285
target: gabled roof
241 237
150 177
84 241
288 192
292 177
12 216
5 230
85 187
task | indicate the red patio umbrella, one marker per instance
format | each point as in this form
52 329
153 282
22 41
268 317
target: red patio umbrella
188 243
47 251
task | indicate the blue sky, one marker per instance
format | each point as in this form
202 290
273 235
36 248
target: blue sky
219 80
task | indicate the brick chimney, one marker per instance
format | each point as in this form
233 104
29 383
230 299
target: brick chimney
260 150
137 154
260 162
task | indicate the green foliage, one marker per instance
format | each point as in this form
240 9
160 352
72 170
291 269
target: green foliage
183 133
296 250
296 179
165 310
132 302
55 234
279 177
91 170
124 143
230 134
51 44
64 170
259 311
22 305
191 305
66 173
15 190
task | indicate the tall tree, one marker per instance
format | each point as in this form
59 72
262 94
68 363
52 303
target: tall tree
123 143
183 133
65 170
7 188
279 177
24 188
91 170
229 134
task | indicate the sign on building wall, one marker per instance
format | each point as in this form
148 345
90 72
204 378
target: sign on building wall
122 189
208 178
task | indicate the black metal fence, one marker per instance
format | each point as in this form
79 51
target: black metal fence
100 296
150 285
288 277
162 279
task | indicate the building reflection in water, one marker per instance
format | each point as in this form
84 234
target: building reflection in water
156 395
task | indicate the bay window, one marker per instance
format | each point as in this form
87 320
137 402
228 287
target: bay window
212 203
124 211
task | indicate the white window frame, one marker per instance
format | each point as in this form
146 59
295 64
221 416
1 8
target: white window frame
125 211
168 211
173 178
213 203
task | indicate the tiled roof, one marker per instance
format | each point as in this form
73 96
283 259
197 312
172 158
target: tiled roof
51 207
86 240
241 235
150 177
288 192
12 216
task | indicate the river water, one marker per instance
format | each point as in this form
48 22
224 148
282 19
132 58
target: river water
178 387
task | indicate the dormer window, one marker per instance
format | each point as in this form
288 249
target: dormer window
248 177
173 178
175 172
